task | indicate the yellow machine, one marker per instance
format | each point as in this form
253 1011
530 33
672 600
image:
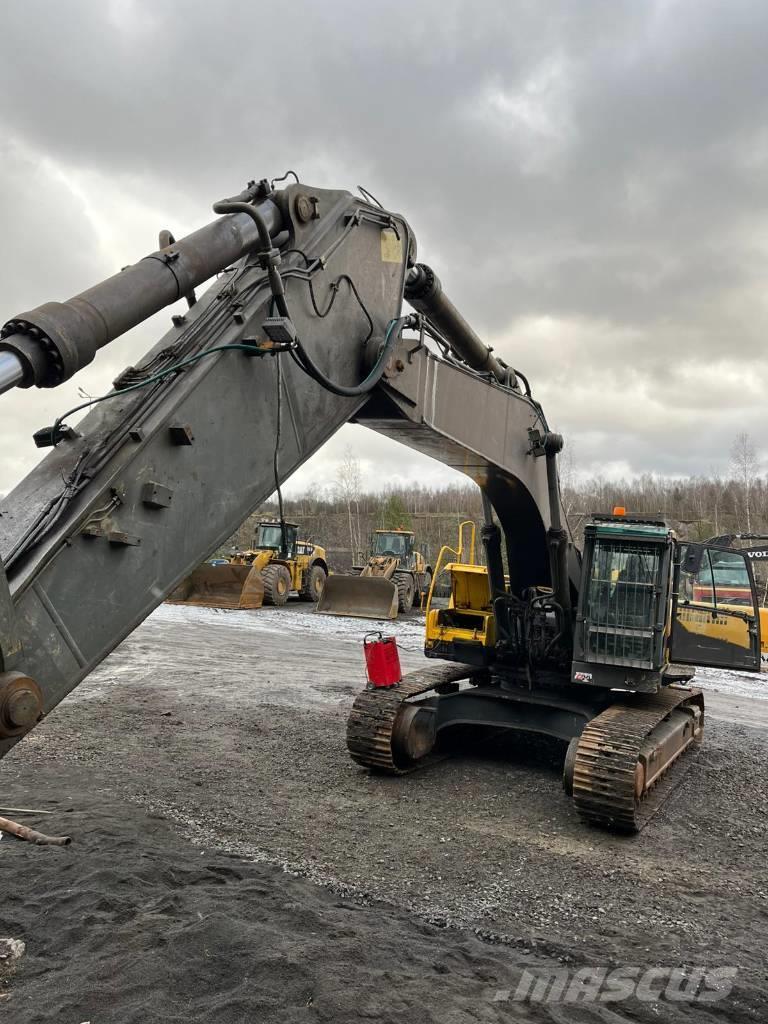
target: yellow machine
467 623
395 578
277 564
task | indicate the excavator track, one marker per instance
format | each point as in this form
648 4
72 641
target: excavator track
377 713
618 749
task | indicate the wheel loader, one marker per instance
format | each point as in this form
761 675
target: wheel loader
277 564
395 578
300 331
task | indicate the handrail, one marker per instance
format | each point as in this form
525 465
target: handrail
459 553
438 569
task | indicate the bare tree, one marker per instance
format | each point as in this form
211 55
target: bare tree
348 486
566 464
744 467
717 489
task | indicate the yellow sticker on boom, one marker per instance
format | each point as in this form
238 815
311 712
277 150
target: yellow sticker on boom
391 247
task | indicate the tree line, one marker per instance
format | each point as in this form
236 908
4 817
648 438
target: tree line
343 517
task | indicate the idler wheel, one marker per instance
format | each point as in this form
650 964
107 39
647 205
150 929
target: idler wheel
413 736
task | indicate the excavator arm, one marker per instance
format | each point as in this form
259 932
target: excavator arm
252 379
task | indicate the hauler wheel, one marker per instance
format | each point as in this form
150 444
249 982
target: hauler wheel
568 765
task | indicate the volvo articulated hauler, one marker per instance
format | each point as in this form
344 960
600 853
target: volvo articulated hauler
301 331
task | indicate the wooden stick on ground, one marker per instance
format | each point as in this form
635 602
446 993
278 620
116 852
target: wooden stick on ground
23 810
6 825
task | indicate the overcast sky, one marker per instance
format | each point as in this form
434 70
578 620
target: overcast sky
589 179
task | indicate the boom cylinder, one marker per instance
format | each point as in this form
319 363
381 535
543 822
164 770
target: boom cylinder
557 538
491 538
424 292
11 371
49 344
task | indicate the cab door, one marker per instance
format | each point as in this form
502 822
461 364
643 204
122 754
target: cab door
715 618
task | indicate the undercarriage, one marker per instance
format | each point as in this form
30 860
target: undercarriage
620 746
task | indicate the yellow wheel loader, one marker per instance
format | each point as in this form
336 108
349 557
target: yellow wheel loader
276 565
395 578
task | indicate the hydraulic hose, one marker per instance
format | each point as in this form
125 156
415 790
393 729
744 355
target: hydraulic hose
268 255
304 360
270 259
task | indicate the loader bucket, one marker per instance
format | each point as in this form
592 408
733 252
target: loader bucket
221 586
363 597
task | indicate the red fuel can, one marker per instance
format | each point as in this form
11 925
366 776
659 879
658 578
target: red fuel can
382 662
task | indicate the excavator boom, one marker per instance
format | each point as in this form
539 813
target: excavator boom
155 478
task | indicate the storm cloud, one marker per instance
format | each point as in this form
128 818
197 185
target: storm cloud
589 179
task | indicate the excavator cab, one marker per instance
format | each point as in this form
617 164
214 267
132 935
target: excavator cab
648 602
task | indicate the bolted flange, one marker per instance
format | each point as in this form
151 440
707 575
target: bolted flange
21 703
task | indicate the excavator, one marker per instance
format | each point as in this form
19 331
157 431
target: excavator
301 329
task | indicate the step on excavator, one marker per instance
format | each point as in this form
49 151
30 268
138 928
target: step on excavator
276 565
301 331
395 579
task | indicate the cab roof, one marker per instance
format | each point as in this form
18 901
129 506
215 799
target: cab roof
623 527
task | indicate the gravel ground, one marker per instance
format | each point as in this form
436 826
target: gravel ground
212 741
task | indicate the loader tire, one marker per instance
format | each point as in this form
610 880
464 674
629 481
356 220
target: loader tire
314 581
405 590
277 584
